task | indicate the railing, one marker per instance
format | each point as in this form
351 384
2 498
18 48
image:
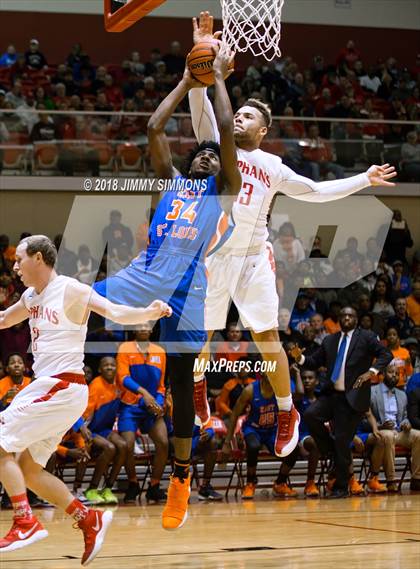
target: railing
115 144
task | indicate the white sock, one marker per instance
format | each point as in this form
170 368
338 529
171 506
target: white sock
198 378
284 403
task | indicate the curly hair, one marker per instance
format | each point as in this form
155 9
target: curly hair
210 144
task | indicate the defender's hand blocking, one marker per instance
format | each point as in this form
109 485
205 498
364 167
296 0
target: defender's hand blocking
379 175
203 29
158 309
223 62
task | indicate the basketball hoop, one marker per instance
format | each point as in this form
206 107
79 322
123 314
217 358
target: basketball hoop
253 25
121 14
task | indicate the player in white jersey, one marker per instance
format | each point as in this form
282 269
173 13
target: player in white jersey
242 270
33 425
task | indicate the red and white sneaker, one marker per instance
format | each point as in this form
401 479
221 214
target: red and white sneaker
287 435
201 405
23 532
94 528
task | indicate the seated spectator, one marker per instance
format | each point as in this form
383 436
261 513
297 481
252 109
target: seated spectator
2 370
308 343
174 60
285 332
7 288
87 370
116 234
42 100
400 283
15 96
413 303
287 248
14 381
366 322
364 305
112 92
8 58
389 407
44 129
66 259
370 81
412 345
320 155
234 347
259 429
34 59
232 390
79 154
121 260
301 313
332 324
141 375
352 250
382 298
16 339
398 239
402 360
204 446
99 416
348 56
86 266
401 321
317 323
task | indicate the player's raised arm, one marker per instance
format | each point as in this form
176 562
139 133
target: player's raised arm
160 151
230 177
305 189
81 299
13 315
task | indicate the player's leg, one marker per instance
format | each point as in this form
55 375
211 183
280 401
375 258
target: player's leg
133 489
253 447
207 450
281 488
93 523
181 376
309 445
105 451
201 404
159 435
118 462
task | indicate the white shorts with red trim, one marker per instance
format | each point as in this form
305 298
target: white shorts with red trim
249 281
40 415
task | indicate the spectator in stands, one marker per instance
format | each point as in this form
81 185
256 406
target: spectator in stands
401 321
99 81
364 306
259 429
8 58
16 340
16 96
301 313
410 158
100 415
116 234
86 266
76 56
14 381
79 154
316 321
402 360
34 59
287 248
232 390
382 298
113 93
286 333
204 445
87 370
352 250
7 288
2 370
389 407
319 153
175 59
398 239
66 259
348 56
141 374
44 129
332 323
121 260
401 283
412 345
371 81
234 347
413 303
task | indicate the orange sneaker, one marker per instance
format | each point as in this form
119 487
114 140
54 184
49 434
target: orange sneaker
94 528
201 405
284 491
375 486
249 491
311 490
355 488
330 484
23 532
287 435
175 512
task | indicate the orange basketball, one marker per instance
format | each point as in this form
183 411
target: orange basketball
200 61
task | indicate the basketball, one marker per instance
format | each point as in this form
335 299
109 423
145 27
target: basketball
200 61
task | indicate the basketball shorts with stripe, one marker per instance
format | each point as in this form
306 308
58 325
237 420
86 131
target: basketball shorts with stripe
40 415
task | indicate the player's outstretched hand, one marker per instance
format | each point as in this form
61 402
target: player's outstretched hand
203 29
223 60
190 81
379 175
158 309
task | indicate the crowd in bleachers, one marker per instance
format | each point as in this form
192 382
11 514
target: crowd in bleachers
130 404
346 88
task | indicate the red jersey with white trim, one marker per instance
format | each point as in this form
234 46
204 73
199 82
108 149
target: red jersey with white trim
57 342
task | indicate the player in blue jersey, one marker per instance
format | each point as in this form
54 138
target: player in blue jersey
189 223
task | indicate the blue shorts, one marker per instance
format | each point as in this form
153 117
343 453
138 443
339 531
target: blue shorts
102 433
196 440
132 417
180 281
266 437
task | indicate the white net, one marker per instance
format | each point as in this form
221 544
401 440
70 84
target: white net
253 25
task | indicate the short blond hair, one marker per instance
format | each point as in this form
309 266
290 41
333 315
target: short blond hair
263 108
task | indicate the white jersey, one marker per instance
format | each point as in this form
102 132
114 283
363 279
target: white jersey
263 176
57 343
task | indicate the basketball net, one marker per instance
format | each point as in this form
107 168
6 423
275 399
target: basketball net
253 25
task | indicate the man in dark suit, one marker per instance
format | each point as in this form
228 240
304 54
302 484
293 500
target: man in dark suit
348 356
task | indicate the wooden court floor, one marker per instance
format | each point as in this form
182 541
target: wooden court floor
379 532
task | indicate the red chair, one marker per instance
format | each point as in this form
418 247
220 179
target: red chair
45 156
129 157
